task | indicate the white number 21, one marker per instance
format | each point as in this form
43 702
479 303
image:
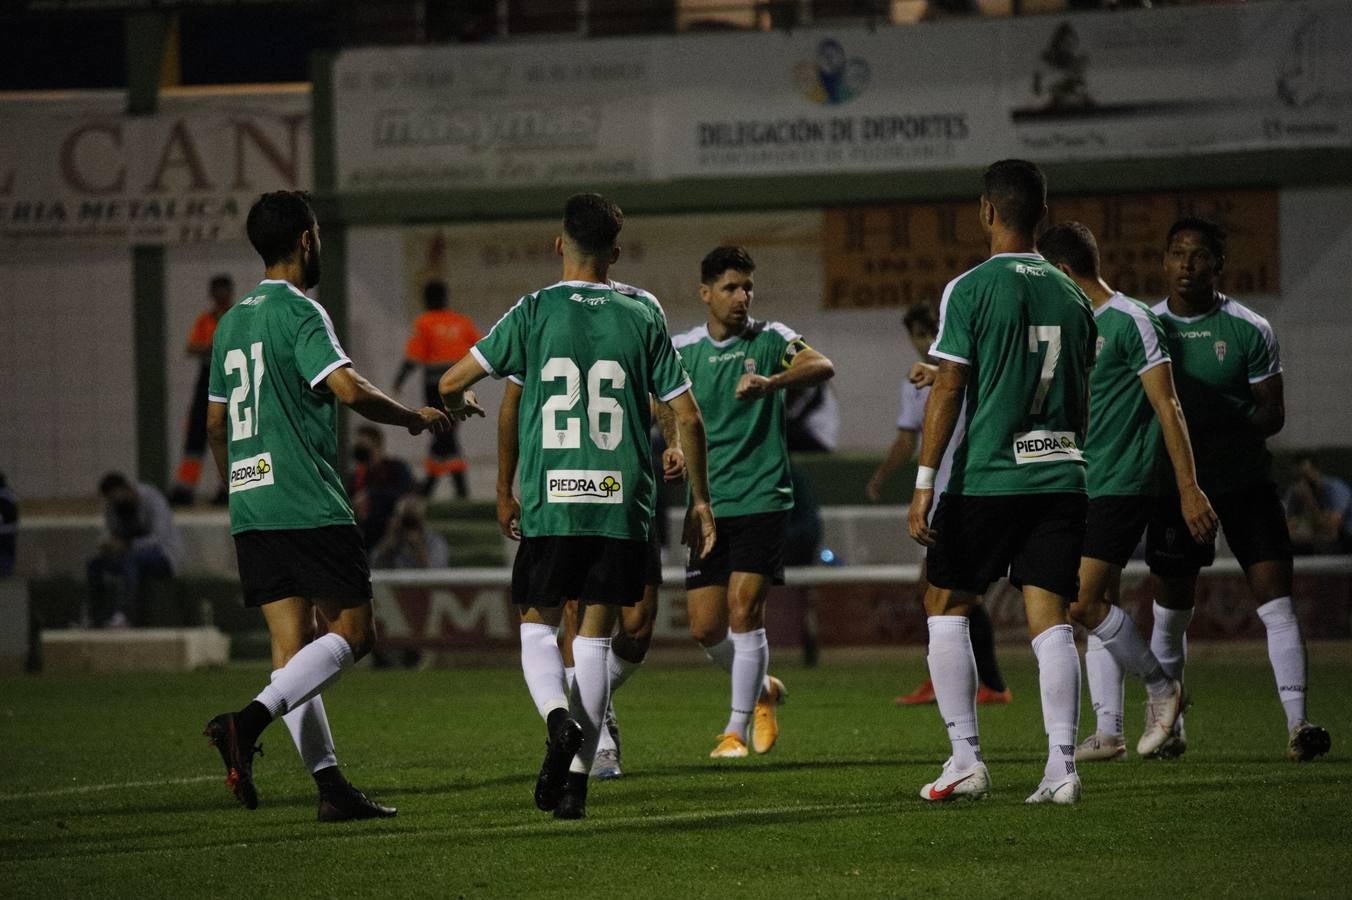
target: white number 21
243 419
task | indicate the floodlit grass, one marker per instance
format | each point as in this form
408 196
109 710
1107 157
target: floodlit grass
106 788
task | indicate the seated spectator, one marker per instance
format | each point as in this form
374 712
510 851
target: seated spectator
408 542
140 541
1319 511
9 527
376 485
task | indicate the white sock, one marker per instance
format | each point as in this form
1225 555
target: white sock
1169 639
620 670
1120 638
749 665
721 654
1107 686
569 676
953 672
309 727
591 695
1058 675
315 667
542 664
1286 652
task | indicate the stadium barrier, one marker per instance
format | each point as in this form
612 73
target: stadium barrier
841 606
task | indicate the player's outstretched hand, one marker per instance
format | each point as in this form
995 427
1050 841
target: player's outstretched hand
918 519
752 386
700 532
469 407
673 464
509 517
923 374
429 419
1201 518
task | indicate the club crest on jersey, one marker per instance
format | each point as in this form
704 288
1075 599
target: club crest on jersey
247 474
583 486
1098 346
1046 446
1220 351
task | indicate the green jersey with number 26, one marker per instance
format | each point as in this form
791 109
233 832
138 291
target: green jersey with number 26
1027 334
270 356
588 356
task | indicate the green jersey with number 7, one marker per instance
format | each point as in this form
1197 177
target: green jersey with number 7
588 355
269 359
1028 335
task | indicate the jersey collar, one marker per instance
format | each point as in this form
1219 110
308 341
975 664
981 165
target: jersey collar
288 285
1220 305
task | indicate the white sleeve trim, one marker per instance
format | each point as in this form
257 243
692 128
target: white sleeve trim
1150 365
517 380
1265 376
951 357
329 370
212 398
672 395
483 361
784 331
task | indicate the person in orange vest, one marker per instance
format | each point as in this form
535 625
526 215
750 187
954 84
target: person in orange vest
440 337
222 289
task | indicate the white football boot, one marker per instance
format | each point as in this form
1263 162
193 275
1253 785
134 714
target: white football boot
958 784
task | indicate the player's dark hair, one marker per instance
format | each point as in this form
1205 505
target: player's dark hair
1018 191
920 314
720 259
222 280
112 480
1212 233
375 434
435 295
276 222
592 223
1073 244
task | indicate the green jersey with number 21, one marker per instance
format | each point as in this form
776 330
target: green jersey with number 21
1027 334
588 356
270 356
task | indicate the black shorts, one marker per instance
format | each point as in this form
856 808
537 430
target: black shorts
1034 538
326 563
551 570
1114 526
652 567
753 543
1255 528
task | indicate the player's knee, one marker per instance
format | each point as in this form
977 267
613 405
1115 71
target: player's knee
1087 611
707 633
360 636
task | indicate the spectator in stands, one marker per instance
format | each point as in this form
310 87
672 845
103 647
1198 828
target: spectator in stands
140 541
440 338
1319 511
408 544
195 428
376 485
9 527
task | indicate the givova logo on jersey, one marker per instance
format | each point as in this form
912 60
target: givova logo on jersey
583 486
254 471
1046 446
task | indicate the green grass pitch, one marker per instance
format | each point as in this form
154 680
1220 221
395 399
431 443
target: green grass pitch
107 789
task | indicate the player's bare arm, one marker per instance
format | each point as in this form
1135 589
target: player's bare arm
370 402
903 445
673 458
455 385
1269 397
941 417
509 454
1158 383
808 367
218 438
699 533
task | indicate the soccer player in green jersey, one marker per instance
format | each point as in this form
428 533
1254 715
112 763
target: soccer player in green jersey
739 367
1016 342
277 374
1132 402
1229 374
588 356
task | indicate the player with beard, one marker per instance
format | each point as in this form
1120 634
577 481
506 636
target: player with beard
277 375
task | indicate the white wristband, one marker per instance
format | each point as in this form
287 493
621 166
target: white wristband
924 478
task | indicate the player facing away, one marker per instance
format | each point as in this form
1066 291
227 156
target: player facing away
1015 344
915 388
277 374
634 632
1229 374
740 367
1132 405
588 356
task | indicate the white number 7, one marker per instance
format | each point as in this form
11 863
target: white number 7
1051 336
